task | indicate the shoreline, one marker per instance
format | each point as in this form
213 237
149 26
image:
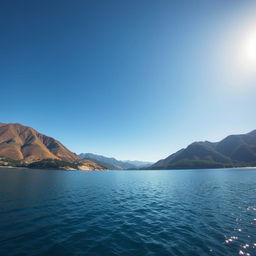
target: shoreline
86 170
58 169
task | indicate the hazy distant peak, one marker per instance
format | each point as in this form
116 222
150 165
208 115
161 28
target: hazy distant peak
112 163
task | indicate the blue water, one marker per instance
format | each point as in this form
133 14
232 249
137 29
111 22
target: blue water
180 212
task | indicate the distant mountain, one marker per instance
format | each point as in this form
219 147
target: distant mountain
25 144
138 164
114 164
233 151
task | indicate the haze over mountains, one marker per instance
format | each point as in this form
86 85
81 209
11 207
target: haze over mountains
233 151
114 164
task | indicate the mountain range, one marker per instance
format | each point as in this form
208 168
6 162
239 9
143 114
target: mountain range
114 164
24 146
232 151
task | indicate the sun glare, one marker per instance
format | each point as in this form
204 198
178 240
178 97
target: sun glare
250 48
239 58
245 61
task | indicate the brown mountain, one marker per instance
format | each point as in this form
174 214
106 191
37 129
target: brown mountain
21 142
24 143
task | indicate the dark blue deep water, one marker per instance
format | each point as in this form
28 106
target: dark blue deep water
181 212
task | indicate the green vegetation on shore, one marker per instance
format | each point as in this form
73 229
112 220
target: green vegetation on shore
42 164
53 164
11 162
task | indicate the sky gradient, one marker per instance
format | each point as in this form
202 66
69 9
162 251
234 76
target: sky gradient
128 79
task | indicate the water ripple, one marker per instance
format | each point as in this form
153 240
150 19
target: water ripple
200 212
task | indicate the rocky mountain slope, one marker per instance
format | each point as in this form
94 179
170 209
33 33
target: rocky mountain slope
19 142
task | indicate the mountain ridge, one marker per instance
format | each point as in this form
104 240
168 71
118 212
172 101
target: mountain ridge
23 143
114 164
232 151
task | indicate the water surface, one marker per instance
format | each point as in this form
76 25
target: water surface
179 212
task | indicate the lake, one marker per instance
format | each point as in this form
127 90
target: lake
176 212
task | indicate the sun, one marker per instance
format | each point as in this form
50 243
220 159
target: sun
250 48
245 60
239 61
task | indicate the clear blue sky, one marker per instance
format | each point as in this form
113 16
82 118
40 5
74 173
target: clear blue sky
130 79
